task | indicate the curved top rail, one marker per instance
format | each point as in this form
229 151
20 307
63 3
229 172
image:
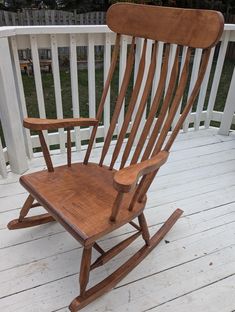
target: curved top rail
161 23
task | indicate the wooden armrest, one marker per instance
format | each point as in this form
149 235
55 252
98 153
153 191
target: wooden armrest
49 124
125 179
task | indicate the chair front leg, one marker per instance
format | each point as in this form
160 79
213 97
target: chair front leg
85 269
144 228
24 222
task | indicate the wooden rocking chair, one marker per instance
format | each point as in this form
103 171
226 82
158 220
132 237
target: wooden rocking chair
91 200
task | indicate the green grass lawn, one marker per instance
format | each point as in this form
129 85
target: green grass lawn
48 87
49 96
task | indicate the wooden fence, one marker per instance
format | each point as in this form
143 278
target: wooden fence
50 17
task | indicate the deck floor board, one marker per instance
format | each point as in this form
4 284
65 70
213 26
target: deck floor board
193 270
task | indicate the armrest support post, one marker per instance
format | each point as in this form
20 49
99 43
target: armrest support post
45 152
116 206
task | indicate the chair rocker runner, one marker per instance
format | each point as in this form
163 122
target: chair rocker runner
91 200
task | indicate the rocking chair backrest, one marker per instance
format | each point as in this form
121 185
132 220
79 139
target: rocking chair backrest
186 28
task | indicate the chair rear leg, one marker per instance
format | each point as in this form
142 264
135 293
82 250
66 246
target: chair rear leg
144 228
85 269
26 207
23 222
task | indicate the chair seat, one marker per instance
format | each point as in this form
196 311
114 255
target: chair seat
80 197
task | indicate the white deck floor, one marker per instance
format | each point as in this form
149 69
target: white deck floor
192 270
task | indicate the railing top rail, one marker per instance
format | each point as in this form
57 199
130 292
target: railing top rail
8 31
229 26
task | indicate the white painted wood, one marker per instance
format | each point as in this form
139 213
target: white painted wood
218 296
142 87
107 60
155 214
57 87
217 116
91 76
38 80
190 268
158 69
54 29
207 223
202 93
20 89
3 167
138 52
39 266
197 175
37 76
172 53
191 140
60 29
229 109
74 87
217 75
199 140
122 66
164 286
97 33
193 78
177 115
9 112
194 250
159 56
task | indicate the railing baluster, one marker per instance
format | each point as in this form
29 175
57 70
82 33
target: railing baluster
177 115
147 66
103 97
9 110
158 69
57 88
3 167
22 102
138 53
194 74
217 75
159 61
153 110
173 48
229 110
74 88
119 101
38 80
91 77
202 94
172 53
131 105
142 106
122 66
107 58
23 39
69 147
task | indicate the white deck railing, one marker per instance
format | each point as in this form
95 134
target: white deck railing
13 108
